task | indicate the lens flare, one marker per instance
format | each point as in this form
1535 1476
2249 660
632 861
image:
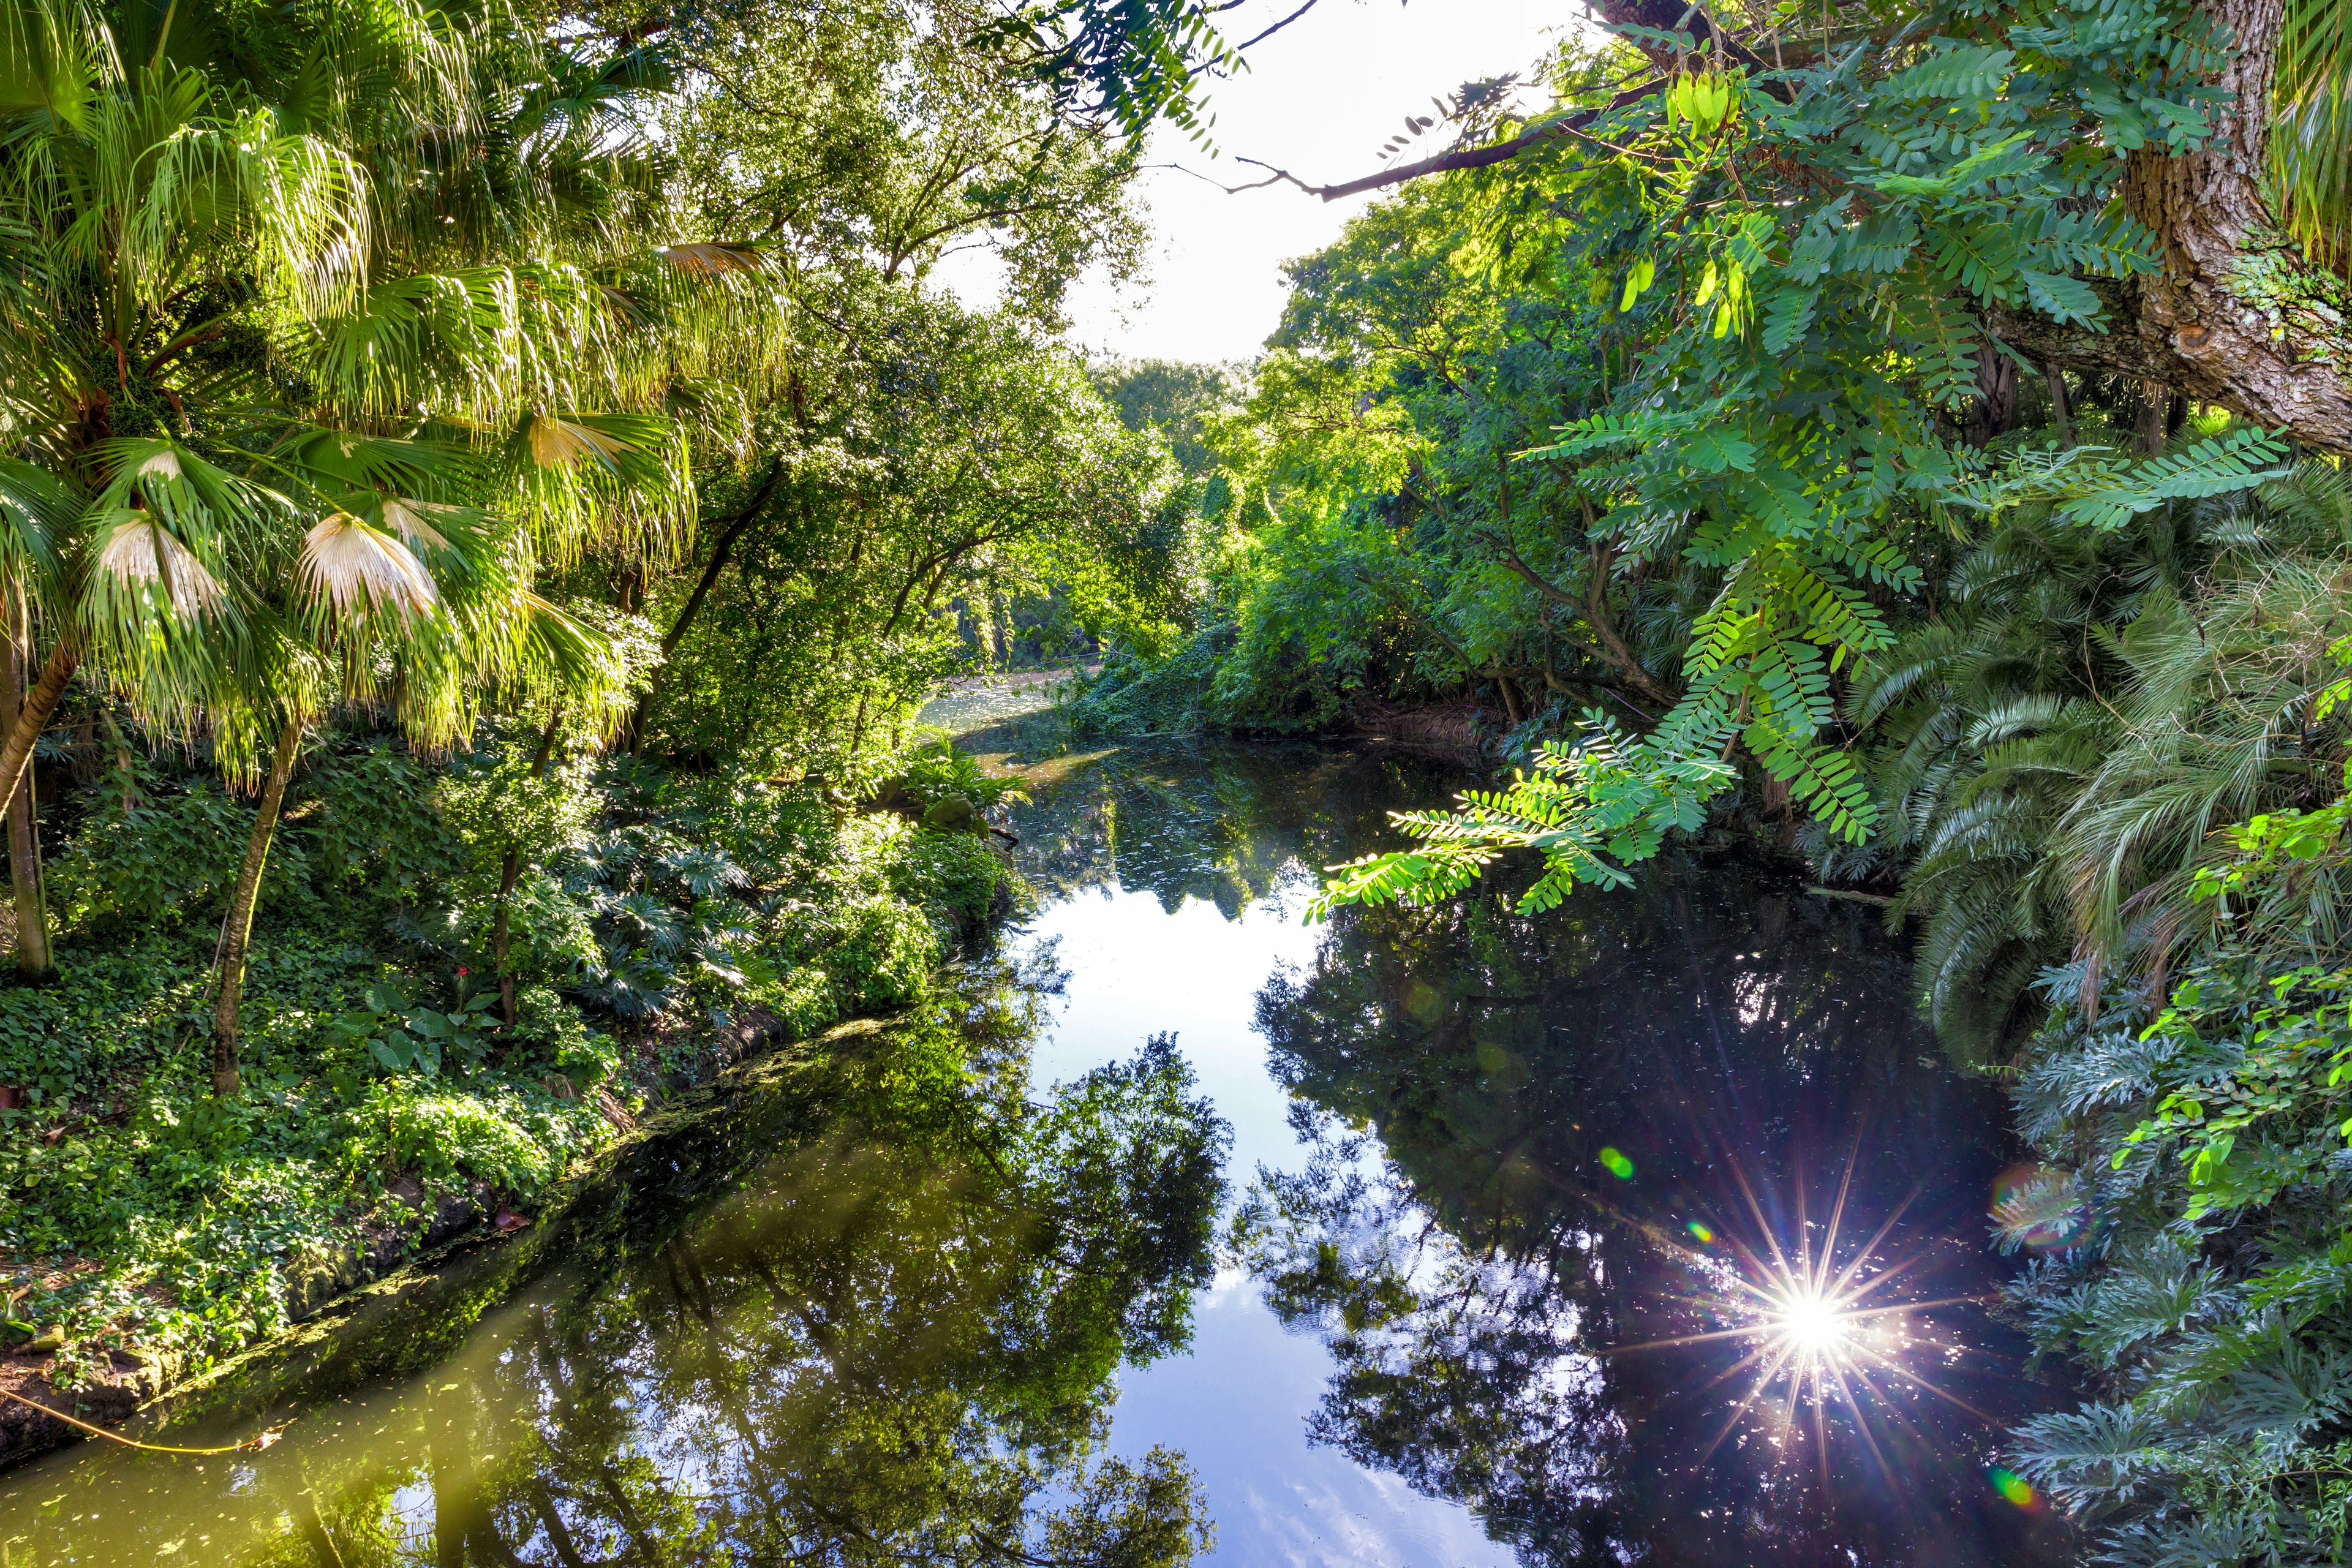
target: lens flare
2013 1486
2043 1208
1829 1326
1619 1166
1813 1325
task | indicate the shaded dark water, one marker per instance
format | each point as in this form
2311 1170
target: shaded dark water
1527 1217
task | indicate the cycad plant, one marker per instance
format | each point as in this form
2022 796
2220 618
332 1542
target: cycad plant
2083 711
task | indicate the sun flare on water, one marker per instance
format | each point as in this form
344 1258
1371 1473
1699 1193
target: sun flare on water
1821 1325
1811 1324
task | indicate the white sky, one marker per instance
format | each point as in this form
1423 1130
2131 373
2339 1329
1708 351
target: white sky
1319 98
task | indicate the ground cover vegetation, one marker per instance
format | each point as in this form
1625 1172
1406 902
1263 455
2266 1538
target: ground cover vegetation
481 492
1912 433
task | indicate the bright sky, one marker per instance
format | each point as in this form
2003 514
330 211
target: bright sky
1319 98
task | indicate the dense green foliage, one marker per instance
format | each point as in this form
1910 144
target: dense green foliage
528 449
1692 444
673 914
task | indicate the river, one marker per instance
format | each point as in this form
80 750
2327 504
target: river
1651 1229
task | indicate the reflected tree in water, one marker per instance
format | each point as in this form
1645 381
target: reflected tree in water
1567 1106
1227 825
894 1345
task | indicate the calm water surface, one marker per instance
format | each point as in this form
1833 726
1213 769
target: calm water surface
1517 1212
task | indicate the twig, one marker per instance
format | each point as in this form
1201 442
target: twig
1881 900
1493 153
262 1441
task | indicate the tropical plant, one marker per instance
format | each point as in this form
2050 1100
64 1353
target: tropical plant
355 380
2081 712
2198 1264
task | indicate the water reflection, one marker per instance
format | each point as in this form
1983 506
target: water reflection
1676 1245
894 1344
1560 1208
1518 1175
1227 825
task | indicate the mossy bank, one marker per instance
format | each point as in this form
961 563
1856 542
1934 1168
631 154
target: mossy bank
664 927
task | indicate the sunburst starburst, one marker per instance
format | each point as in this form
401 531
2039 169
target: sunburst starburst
1821 1327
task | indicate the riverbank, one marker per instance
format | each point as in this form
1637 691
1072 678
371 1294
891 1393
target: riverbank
625 1201
149 1233
909 1269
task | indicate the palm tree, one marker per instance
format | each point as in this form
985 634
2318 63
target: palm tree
387 593
326 340
32 507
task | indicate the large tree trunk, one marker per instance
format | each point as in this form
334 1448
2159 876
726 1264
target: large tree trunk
237 931
720 554
33 717
34 961
2237 317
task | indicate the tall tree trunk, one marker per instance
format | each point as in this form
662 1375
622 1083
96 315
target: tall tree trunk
2062 409
1995 408
2155 401
237 931
33 961
1510 699
510 874
2238 316
720 552
33 716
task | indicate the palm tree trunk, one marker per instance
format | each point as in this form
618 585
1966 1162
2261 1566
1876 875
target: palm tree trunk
509 875
237 932
33 961
33 717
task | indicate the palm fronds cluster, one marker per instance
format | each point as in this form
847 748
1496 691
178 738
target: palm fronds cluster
327 331
2080 715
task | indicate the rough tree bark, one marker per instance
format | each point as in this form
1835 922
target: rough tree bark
236 930
1995 410
2237 317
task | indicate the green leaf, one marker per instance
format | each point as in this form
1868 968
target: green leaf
1715 451
2060 297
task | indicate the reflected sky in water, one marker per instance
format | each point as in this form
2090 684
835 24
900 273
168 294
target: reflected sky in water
1478 1299
1507 1190
1238 1405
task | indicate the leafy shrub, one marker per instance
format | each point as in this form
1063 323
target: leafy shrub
937 772
882 956
1129 696
167 855
491 1133
2201 1172
954 875
372 821
645 903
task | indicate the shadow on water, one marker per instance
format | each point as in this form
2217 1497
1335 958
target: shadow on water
1546 1167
